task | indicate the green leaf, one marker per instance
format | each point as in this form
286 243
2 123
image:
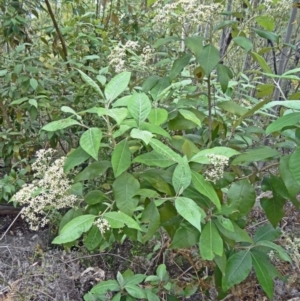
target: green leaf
101 79
76 189
139 107
186 236
238 268
121 158
161 272
142 135
91 83
195 44
243 42
169 218
156 181
257 154
120 279
201 157
294 165
105 287
124 189
182 176
264 90
232 107
118 219
151 296
283 121
158 116
93 239
149 83
261 61
238 235
154 129
267 22
33 102
179 64
67 109
268 35
33 83
226 23
3 72
292 186
209 58
241 196
95 197
281 252
152 278
165 151
226 223
266 232
273 208
224 76
153 159
116 86
71 214
190 211
172 298
116 297
94 170
211 243
59 125
135 291
118 114
148 193
205 188
90 141
134 278
164 41
73 229
18 101
161 85
263 273
190 116
75 158
291 104
151 216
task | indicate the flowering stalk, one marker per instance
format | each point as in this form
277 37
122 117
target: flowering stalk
47 193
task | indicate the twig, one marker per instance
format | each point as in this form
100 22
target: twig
111 254
227 297
184 272
11 224
62 41
259 223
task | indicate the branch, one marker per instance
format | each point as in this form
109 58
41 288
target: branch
63 44
5 115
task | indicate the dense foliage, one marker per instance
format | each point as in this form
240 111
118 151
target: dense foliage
169 118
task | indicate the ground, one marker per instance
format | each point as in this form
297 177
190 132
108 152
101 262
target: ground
31 269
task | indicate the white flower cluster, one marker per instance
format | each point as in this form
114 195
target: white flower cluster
49 191
102 224
292 246
277 5
185 11
147 55
218 163
118 58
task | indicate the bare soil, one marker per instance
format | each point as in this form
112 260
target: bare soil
31 269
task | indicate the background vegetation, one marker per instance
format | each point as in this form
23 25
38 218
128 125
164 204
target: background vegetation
175 118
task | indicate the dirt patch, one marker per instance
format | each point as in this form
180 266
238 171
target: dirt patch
31 269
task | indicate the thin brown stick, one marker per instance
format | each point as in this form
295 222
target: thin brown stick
5 115
11 224
62 41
